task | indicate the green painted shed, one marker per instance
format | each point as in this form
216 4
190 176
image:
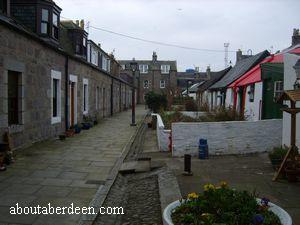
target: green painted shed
272 77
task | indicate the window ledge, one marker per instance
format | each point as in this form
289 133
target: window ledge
55 120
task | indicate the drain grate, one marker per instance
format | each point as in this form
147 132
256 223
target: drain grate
100 182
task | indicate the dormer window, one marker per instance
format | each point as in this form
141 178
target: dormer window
55 26
45 22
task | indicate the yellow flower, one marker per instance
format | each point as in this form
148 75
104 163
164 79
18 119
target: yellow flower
205 214
208 187
223 184
193 195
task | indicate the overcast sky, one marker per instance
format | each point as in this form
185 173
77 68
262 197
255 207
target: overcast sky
204 24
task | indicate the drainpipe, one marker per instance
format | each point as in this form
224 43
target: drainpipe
67 93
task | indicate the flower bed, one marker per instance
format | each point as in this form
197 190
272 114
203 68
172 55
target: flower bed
221 205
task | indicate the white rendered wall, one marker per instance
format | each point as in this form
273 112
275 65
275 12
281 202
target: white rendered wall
232 137
253 109
229 97
289 80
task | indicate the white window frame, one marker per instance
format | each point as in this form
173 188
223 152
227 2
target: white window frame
123 66
85 96
143 68
146 86
97 98
56 75
73 78
162 84
278 92
165 69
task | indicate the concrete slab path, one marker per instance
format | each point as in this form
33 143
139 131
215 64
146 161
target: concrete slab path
64 172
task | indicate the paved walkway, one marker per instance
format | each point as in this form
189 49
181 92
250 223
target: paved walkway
64 172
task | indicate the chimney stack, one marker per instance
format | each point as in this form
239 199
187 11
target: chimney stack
296 37
239 55
154 57
208 73
82 24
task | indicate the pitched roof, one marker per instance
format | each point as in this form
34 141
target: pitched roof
214 77
193 88
292 95
240 68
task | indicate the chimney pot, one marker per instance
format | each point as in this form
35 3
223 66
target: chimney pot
154 57
82 24
296 37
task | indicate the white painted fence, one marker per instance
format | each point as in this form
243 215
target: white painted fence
232 137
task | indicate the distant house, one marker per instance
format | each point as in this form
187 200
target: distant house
256 90
221 92
192 90
203 97
154 75
189 78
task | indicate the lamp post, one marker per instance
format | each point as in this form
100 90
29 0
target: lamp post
133 66
188 83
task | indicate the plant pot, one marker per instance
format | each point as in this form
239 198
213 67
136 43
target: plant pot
62 137
291 174
276 163
3 147
284 217
86 126
77 130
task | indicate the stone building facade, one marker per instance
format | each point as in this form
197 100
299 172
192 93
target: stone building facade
154 75
44 90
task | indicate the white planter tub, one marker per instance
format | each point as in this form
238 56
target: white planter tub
281 213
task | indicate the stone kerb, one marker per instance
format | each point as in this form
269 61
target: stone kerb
232 137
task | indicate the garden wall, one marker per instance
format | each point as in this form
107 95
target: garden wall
162 134
232 137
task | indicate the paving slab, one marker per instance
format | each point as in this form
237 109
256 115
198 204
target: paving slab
64 172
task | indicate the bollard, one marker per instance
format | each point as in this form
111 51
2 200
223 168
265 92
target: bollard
203 149
187 165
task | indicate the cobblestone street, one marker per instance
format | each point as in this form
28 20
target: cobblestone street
64 172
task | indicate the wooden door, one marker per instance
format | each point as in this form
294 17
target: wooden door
72 104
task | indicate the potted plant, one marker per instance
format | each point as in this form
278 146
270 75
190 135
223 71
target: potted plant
62 137
77 129
291 171
223 205
277 155
87 122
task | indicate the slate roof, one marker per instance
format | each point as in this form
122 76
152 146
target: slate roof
240 68
193 88
214 77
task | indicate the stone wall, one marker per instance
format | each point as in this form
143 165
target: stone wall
162 134
35 60
237 137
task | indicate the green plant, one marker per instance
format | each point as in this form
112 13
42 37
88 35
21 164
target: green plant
155 101
190 105
278 153
222 114
223 205
173 117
